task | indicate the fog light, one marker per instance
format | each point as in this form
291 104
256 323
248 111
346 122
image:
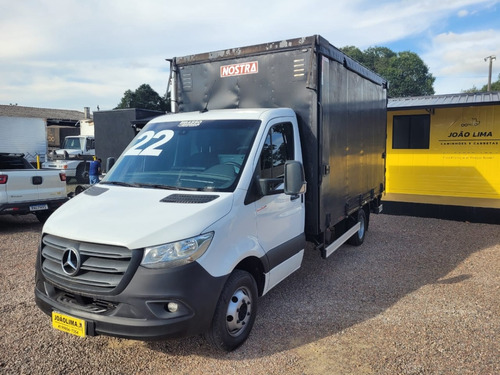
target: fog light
172 307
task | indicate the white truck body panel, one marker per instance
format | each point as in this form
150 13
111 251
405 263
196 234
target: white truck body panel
23 136
87 127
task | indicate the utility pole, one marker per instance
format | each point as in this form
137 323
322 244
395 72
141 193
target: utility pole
491 65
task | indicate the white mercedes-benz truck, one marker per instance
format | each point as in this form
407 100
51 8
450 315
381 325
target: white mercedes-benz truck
210 207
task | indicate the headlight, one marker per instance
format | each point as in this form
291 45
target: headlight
176 253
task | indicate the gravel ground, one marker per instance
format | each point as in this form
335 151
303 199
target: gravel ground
420 296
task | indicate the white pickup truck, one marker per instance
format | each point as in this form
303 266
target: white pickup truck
26 190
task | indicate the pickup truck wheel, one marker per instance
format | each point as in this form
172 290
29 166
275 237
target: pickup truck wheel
235 312
359 237
42 216
82 174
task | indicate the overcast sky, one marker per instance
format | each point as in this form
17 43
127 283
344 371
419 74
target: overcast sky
69 54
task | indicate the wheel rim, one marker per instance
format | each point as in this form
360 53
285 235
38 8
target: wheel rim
239 311
361 231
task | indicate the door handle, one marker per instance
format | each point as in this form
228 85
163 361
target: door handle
36 180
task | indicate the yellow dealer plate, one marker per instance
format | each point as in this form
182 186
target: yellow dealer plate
68 324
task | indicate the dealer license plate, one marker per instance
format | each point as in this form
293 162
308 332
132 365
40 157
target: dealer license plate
68 324
39 207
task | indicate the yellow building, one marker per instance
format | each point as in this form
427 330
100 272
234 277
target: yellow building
443 156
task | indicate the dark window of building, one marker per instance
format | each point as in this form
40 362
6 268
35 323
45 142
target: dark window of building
411 132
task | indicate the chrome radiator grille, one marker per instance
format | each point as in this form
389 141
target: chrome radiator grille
89 267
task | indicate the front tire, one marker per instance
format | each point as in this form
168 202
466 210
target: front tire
235 312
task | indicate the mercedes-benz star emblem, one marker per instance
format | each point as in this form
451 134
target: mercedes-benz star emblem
71 261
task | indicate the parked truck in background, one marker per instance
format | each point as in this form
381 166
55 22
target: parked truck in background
211 207
26 190
73 158
57 134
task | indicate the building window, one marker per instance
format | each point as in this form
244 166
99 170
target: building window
411 132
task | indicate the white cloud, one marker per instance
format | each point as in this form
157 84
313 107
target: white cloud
74 54
457 60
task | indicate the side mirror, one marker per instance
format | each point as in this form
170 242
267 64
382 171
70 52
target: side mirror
109 163
295 182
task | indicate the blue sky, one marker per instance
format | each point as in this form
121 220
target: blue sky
71 54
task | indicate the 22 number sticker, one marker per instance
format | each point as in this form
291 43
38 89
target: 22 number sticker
154 149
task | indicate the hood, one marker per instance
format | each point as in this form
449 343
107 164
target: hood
137 217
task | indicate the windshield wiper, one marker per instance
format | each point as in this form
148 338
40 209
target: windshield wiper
152 186
167 187
119 183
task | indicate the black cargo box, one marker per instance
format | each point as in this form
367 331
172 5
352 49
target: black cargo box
340 106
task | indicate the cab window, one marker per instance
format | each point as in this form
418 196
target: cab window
278 148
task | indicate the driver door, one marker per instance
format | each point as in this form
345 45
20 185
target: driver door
280 217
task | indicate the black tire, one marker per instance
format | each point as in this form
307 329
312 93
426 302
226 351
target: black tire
82 174
358 238
81 188
235 312
42 216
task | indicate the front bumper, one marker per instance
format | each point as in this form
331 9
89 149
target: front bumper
140 311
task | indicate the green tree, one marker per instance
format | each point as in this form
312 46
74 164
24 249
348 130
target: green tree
471 90
355 53
495 86
378 59
405 71
144 97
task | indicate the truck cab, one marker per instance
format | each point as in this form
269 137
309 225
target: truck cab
209 197
77 145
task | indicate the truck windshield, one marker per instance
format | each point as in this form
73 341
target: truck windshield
73 144
200 155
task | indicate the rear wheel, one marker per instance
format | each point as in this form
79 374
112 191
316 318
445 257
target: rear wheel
359 237
235 312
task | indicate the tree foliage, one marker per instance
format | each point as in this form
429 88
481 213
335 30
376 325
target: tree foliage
495 86
405 71
145 98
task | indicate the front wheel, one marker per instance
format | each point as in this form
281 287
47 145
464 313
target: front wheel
359 237
235 312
